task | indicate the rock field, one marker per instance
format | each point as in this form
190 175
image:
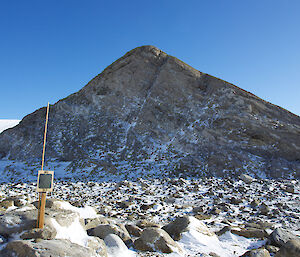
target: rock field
178 217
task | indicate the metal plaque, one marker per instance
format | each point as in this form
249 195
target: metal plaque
45 181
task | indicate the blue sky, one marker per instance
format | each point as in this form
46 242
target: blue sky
50 49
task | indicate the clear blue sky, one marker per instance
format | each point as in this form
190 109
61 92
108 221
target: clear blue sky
52 48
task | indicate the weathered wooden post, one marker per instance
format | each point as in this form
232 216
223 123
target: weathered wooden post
44 181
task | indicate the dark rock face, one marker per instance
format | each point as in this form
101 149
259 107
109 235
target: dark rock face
149 111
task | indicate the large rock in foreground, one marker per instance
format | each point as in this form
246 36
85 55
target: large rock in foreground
46 248
150 111
290 248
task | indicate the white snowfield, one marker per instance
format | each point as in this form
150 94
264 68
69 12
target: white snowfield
5 124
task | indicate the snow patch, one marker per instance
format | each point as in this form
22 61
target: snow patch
75 232
6 124
86 212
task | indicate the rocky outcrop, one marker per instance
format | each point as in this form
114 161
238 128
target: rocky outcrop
149 111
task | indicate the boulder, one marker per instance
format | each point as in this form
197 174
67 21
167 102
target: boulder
98 245
64 217
115 246
18 201
16 222
20 221
46 248
47 233
146 224
133 230
156 239
257 253
183 224
102 231
264 209
280 236
94 222
290 248
250 232
235 200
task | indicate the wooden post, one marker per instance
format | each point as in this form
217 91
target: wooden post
41 214
42 195
45 136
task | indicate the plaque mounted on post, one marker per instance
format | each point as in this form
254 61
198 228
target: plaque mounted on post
45 181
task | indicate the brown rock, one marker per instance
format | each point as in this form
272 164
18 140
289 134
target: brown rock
133 230
182 224
250 232
102 231
257 253
94 222
290 249
46 233
156 239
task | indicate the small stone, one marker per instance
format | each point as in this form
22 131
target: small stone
264 209
198 209
290 189
202 216
6 204
215 211
133 230
146 206
234 200
254 203
272 248
250 232
223 230
246 178
146 223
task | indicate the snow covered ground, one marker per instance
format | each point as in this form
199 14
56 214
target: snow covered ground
5 124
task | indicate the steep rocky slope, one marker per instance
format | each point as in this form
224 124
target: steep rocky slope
149 112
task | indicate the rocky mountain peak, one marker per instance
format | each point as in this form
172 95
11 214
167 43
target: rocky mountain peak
150 113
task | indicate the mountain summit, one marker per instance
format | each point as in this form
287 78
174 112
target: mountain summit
150 113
